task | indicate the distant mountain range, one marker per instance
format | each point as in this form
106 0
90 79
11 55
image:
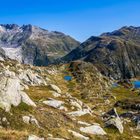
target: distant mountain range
115 54
33 45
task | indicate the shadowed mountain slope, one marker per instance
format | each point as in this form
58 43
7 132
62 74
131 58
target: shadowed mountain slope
115 54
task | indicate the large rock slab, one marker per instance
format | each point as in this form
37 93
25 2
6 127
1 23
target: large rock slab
55 88
54 103
78 135
30 78
11 92
93 129
79 113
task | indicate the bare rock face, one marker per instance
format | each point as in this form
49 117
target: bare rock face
11 91
30 78
114 120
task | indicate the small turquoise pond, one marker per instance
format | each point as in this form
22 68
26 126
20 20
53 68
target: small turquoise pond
68 78
136 84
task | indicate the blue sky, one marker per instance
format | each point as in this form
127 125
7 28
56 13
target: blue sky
78 18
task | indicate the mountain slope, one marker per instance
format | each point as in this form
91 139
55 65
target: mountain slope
38 103
33 45
115 54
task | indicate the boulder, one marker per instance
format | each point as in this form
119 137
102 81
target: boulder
54 103
115 121
26 119
76 103
78 135
93 129
30 120
55 88
84 123
11 92
79 113
25 98
55 94
33 137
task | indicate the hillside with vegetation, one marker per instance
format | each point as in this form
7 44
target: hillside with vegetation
37 103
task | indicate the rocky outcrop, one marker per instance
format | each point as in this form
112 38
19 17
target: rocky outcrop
80 113
30 78
30 120
89 78
11 92
93 129
55 88
78 135
113 119
54 103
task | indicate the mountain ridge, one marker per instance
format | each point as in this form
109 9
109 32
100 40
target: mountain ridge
115 54
34 45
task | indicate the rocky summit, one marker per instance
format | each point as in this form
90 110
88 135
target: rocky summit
97 102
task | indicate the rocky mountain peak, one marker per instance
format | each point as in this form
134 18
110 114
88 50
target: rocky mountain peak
124 32
27 27
9 26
